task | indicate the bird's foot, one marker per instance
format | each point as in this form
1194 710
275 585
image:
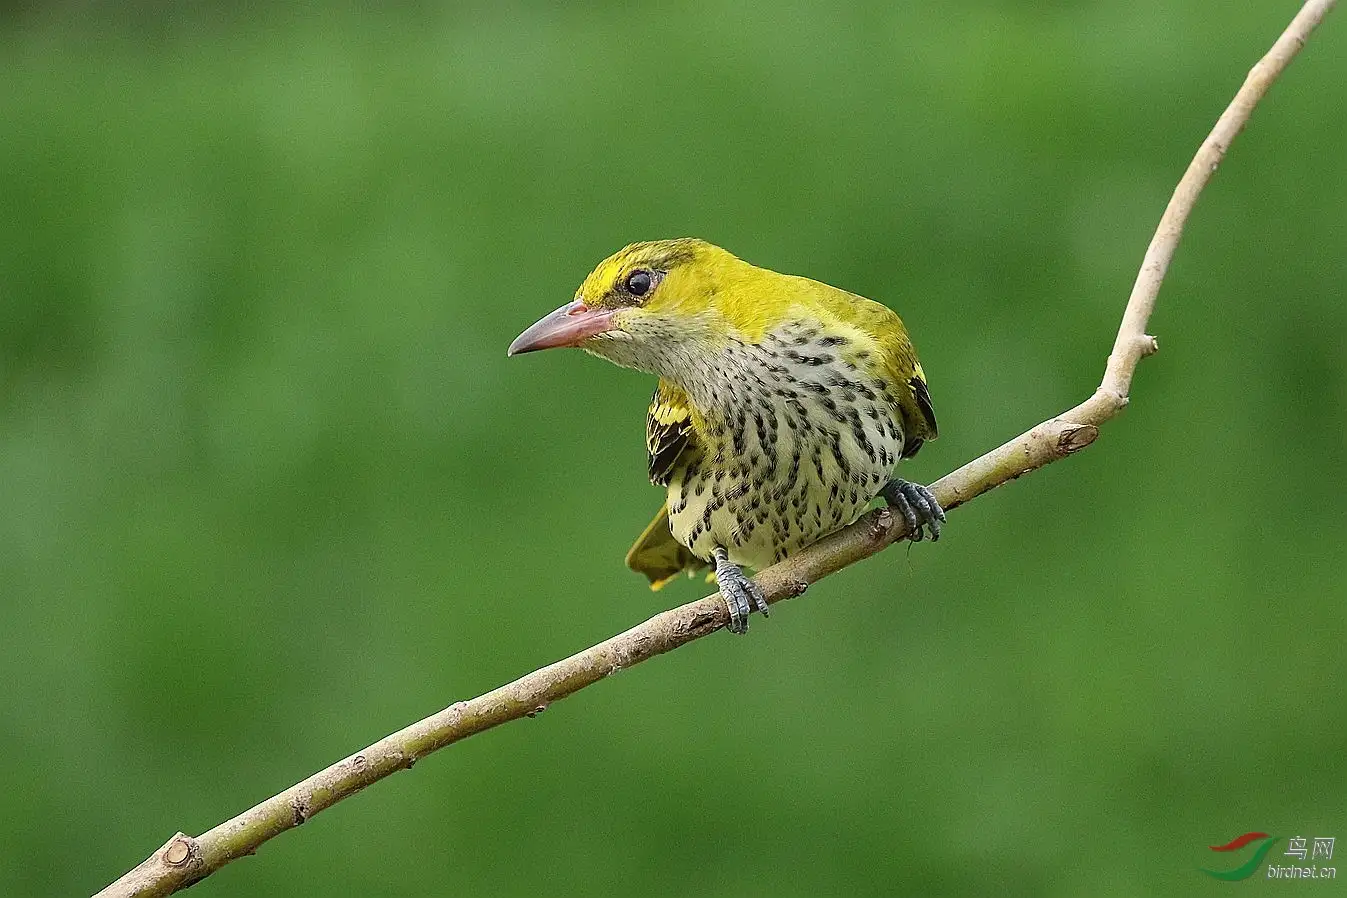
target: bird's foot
918 507
742 595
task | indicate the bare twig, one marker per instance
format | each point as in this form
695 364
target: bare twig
185 860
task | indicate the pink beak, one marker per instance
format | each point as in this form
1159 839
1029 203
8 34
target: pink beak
570 325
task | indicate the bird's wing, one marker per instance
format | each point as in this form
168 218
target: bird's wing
922 395
668 430
905 371
897 356
658 555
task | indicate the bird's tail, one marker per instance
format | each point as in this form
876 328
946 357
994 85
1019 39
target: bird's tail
659 556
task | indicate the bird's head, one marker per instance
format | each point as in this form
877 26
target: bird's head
657 307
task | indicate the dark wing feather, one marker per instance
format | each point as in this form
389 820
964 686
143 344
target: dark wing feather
923 397
668 431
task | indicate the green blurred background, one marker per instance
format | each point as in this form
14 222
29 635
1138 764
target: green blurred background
270 489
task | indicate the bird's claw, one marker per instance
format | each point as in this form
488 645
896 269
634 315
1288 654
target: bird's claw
918 507
742 595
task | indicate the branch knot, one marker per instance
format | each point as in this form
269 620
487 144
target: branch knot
1076 437
180 850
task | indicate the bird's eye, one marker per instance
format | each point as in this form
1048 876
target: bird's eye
640 282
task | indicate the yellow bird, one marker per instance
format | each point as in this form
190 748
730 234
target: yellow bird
782 408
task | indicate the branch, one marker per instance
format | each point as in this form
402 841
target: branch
185 860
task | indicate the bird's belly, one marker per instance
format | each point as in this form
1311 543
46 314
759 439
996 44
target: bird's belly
796 479
758 541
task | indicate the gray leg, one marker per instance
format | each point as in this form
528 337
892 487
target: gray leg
918 507
741 594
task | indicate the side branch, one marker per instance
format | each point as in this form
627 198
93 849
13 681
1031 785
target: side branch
184 860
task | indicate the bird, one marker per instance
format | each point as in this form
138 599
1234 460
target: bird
782 407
